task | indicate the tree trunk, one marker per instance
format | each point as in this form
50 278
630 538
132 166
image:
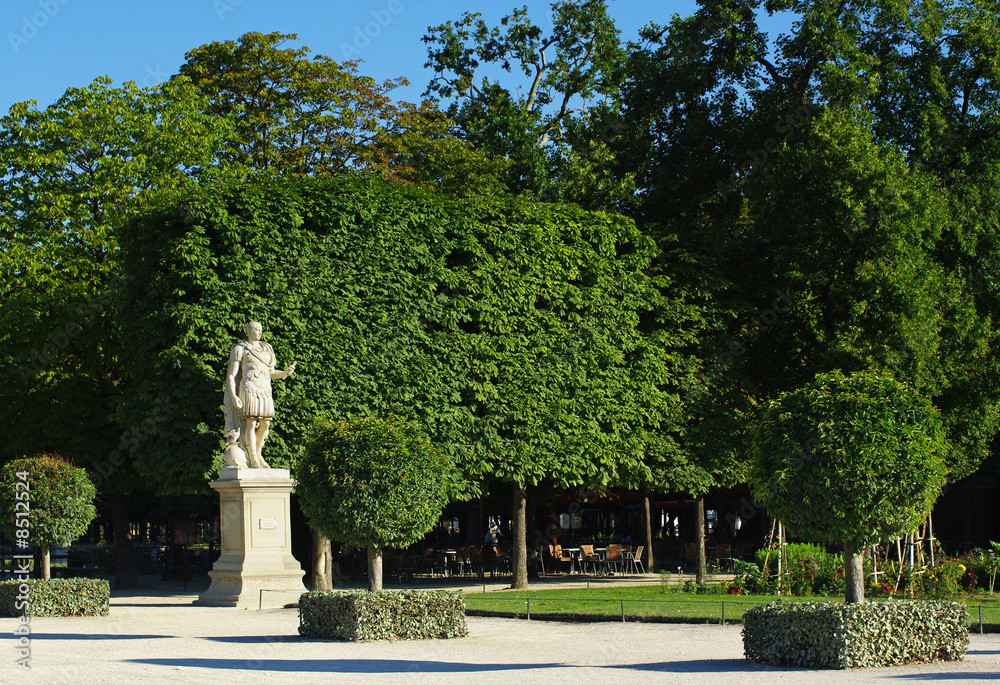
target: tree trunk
322 562
46 562
647 561
374 567
519 546
530 525
699 540
854 572
126 573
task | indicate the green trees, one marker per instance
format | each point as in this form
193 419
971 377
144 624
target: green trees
373 483
515 333
296 115
571 64
72 173
567 378
847 164
49 499
69 175
849 460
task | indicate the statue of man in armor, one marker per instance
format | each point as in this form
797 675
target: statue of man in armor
248 403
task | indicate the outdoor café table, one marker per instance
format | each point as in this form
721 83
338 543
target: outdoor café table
574 552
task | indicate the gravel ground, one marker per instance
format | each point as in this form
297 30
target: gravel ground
161 638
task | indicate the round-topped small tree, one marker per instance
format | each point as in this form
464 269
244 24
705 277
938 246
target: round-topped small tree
373 483
849 459
45 501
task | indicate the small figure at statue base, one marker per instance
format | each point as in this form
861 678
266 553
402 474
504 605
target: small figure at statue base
234 454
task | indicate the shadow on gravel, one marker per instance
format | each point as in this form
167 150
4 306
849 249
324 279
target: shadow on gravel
985 677
144 605
255 639
366 666
98 636
703 666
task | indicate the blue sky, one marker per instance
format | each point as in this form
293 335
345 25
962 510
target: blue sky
47 46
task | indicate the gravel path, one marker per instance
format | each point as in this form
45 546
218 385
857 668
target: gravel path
163 639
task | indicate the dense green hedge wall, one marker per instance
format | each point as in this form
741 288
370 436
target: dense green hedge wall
56 597
382 615
839 635
519 335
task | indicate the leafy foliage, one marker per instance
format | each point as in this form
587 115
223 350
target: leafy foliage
69 174
572 63
835 635
56 597
297 115
848 162
373 481
849 459
383 615
514 332
60 499
871 290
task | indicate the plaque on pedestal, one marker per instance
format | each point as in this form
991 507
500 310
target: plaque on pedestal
256 541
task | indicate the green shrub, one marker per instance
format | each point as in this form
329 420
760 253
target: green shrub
983 567
835 635
56 597
750 579
942 581
810 570
665 581
382 615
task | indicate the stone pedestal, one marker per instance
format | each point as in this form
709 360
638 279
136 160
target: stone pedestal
256 541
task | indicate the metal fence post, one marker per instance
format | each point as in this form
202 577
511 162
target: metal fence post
529 608
980 619
723 612
623 610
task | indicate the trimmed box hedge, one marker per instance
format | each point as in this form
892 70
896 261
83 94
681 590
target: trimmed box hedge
382 615
55 597
839 635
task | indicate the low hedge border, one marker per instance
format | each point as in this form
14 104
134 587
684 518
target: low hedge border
55 597
382 615
839 635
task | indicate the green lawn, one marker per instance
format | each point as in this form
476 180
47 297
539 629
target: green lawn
647 603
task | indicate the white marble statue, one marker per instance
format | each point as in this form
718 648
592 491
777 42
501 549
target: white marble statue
248 403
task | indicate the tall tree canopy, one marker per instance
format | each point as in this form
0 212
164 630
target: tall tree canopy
518 333
562 69
848 164
514 323
69 175
305 116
